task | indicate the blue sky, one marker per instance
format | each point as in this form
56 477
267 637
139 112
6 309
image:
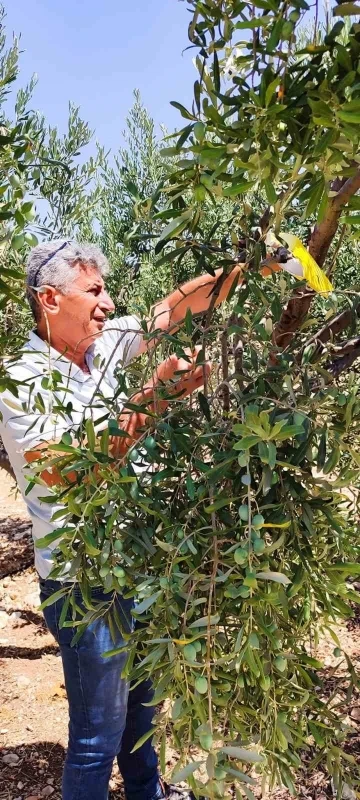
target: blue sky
95 52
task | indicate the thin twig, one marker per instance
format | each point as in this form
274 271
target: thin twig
211 594
225 371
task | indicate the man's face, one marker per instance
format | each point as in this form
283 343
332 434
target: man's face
82 312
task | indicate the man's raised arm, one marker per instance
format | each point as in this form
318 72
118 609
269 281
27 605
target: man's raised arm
196 295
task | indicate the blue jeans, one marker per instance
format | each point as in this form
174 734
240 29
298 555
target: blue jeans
105 718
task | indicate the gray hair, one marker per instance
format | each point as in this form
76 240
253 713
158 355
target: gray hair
57 263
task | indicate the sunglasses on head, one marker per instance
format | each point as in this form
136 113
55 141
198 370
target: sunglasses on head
46 261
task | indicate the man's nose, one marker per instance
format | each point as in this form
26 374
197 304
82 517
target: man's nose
106 303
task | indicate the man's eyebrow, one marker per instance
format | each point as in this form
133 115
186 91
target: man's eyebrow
94 283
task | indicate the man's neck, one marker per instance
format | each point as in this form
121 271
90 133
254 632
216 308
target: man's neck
74 352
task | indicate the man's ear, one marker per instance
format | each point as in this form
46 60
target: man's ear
48 299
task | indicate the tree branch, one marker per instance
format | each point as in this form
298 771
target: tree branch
225 371
238 350
297 308
341 358
324 233
335 326
345 355
341 364
292 317
346 347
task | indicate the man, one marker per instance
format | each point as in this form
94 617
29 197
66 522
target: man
68 369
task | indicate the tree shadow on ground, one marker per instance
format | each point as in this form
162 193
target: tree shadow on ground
15 554
38 765
35 619
29 653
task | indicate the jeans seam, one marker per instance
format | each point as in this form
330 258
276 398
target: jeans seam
56 621
80 771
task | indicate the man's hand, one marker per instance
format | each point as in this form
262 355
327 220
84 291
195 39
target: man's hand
193 379
185 377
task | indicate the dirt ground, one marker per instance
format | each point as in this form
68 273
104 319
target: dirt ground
33 708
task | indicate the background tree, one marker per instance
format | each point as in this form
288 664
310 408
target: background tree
127 229
131 213
67 187
46 190
18 144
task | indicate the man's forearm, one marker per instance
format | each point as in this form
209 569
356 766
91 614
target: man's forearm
134 422
196 295
187 376
51 477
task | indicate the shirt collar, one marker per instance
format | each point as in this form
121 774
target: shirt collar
57 360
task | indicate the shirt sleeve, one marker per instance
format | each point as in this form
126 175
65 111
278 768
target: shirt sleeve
27 420
123 337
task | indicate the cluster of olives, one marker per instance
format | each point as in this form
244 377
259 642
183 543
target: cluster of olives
108 569
241 554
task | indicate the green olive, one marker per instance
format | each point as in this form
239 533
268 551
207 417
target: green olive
265 683
206 741
119 572
280 663
31 239
199 130
244 513
199 193
18 241
219 774
134 454
189 652
240 555
150 443
201 685
15 181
